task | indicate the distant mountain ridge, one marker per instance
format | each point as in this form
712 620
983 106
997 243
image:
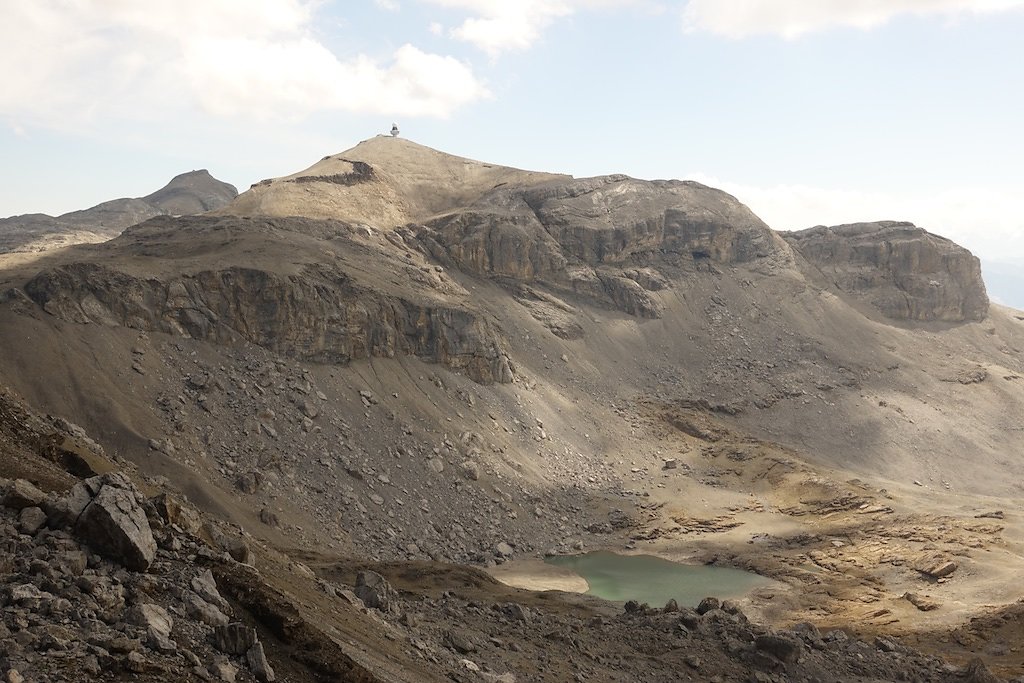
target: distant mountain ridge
188 193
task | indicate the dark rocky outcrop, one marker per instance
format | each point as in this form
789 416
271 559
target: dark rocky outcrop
902 270
317 316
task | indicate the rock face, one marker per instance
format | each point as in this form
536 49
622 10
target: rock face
307 316
902 270
603 237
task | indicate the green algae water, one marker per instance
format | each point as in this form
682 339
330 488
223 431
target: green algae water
654 580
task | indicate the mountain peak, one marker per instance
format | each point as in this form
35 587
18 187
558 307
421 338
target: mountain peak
384 182
187 193
192 192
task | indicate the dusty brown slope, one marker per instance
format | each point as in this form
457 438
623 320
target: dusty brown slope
382 182
272 362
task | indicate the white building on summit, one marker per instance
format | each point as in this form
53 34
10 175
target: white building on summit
394 130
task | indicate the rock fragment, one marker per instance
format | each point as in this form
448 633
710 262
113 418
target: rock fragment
375 592
258 664
22 494
31 520
782 647
151 617
234 638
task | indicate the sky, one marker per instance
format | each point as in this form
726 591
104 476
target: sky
809 111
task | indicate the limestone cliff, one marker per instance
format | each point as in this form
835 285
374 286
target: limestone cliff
604 237
320 311
905 272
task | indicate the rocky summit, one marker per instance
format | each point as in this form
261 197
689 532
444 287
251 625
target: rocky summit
331 429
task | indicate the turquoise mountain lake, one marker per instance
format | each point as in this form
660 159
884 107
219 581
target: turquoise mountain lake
654 580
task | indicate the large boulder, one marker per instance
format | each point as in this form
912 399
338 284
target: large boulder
114 522
23 494
375 592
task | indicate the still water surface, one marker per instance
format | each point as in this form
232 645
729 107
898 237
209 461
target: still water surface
654 580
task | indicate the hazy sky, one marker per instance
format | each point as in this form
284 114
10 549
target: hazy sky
810 111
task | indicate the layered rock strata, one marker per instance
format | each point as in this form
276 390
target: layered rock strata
905 272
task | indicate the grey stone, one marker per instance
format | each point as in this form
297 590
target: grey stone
200 609
31 520
160 642
375 592
902 270
235 638
708 604
516 611
258 664
151 616
22 494
937 568
240 551
115 524
782 647
205 587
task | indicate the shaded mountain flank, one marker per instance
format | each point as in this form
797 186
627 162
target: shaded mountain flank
442 370
189 193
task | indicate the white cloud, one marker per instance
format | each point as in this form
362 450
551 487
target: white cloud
989 222
793 18
66 64
499 25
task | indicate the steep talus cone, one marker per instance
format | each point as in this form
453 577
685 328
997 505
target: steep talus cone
904 271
